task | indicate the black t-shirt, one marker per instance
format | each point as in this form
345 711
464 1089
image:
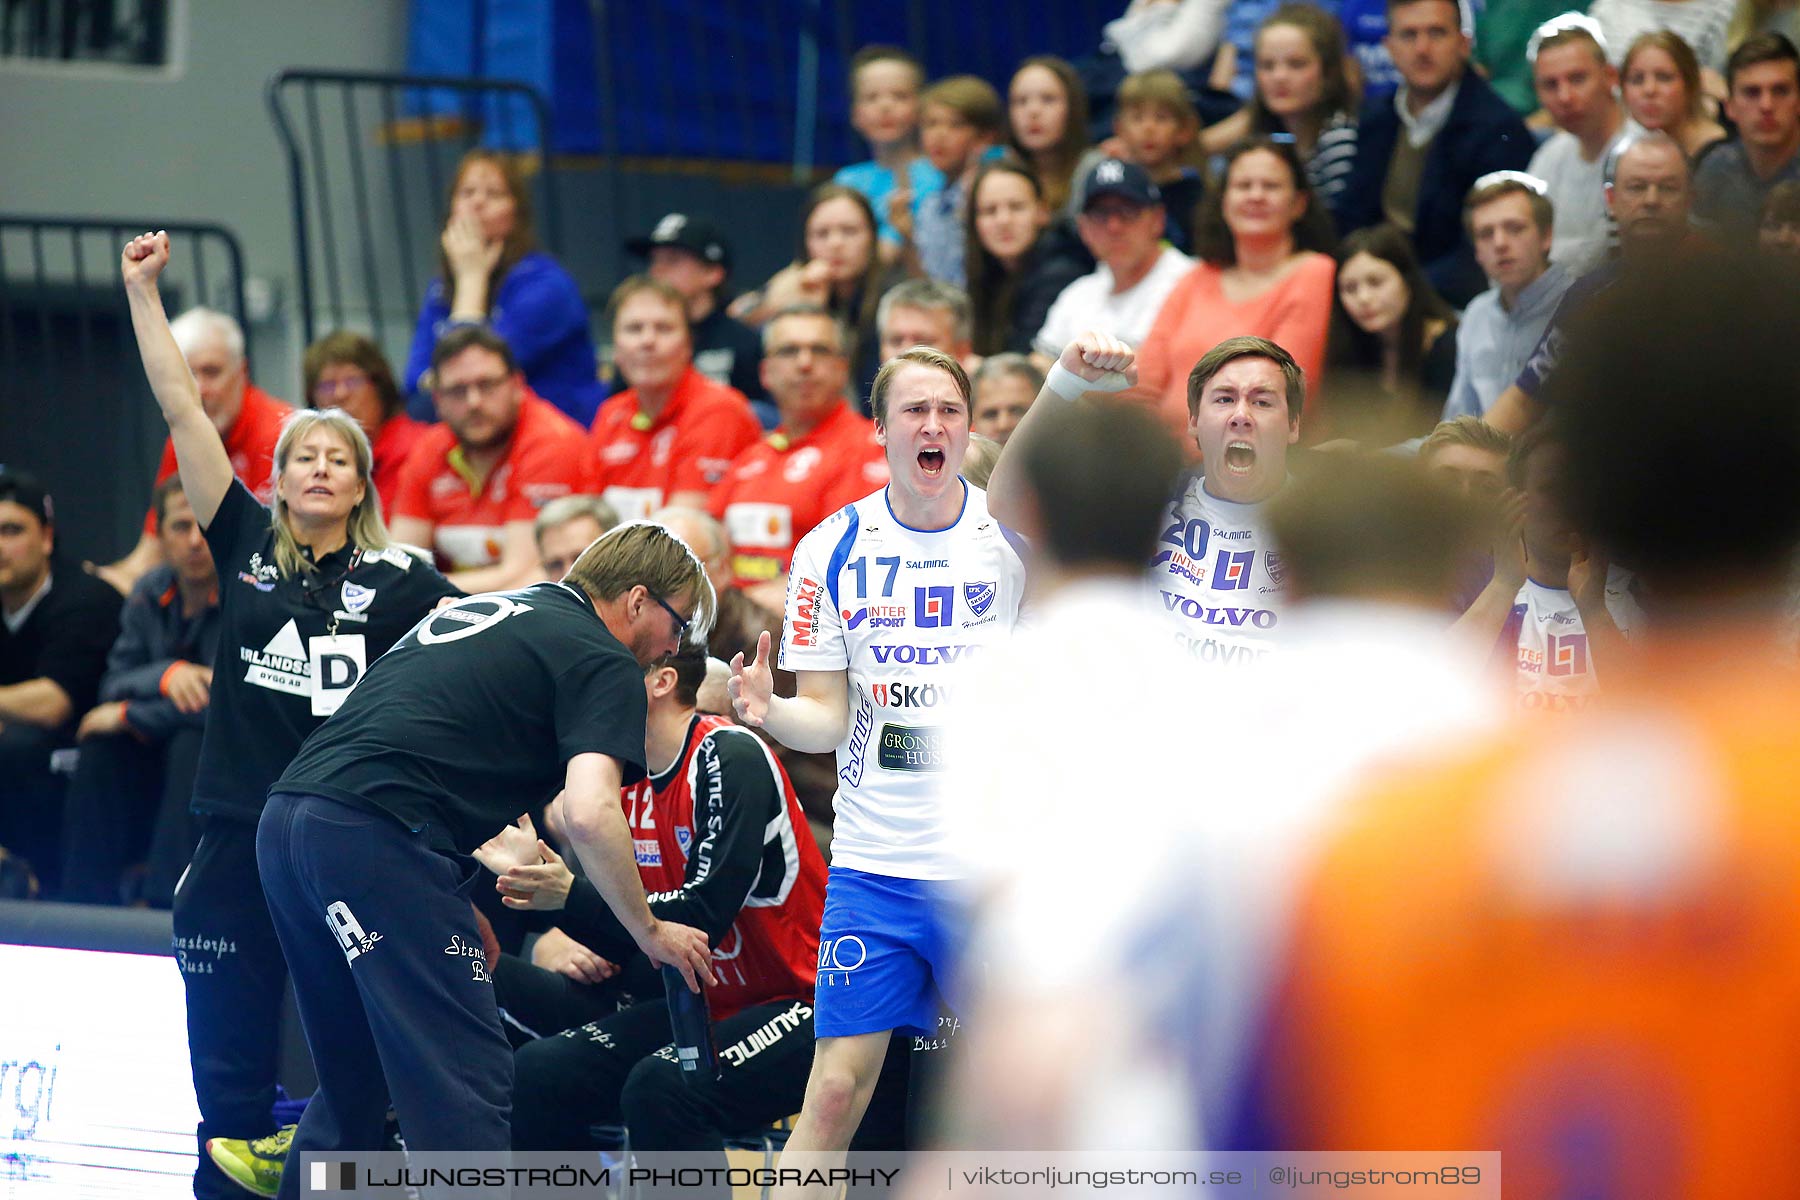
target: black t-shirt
473 717
1057 260
1181 201
262 706
66 637
727 351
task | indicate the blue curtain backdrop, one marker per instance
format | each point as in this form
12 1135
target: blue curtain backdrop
721 79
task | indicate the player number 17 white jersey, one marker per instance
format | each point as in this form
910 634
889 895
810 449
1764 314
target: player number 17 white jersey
898 609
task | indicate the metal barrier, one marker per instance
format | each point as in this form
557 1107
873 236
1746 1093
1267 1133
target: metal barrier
368 185
77 408
714 81
46 261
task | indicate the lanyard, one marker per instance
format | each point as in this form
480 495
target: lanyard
311 593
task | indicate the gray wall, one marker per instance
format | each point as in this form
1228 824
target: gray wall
193 143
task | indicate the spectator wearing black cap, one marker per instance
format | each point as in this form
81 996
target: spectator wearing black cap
691 255
1121 223
56 624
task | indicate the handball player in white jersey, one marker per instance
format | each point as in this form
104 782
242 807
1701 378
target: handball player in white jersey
1219 581
885 598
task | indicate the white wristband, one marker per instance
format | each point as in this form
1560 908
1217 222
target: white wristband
1070 386
1066 383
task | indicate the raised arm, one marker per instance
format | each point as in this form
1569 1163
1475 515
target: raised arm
1513 411
1093 362
1607 646
1486 616
199 451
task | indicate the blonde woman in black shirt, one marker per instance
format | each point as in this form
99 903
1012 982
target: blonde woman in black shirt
310 594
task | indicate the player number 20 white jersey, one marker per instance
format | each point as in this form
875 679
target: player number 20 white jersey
1218 578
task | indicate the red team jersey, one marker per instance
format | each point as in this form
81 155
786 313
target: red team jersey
249 443
780 488
693 835
638 463
391 447
469 521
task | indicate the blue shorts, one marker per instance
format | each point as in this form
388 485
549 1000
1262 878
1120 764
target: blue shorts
885 954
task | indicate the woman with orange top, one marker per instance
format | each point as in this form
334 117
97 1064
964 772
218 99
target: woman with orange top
1262 272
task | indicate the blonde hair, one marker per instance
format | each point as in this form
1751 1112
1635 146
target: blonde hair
971 98
363 528
923 356
1158 89
1466 430
641 552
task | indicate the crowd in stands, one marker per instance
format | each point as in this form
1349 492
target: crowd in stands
1283 237
1409 211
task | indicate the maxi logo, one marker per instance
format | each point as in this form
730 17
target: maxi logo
1187 606
922 656
933 606
910 695
806 605
1231 570
1568 654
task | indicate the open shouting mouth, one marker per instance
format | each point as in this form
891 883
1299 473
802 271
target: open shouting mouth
1240 458
932 463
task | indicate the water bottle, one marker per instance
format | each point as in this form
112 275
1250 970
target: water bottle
690 1016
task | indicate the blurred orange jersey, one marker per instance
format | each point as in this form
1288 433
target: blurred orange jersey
1580 947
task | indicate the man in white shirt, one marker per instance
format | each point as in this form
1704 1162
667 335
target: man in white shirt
1121 223
1579 89
1217 576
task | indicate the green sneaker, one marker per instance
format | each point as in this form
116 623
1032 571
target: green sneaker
253 1165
